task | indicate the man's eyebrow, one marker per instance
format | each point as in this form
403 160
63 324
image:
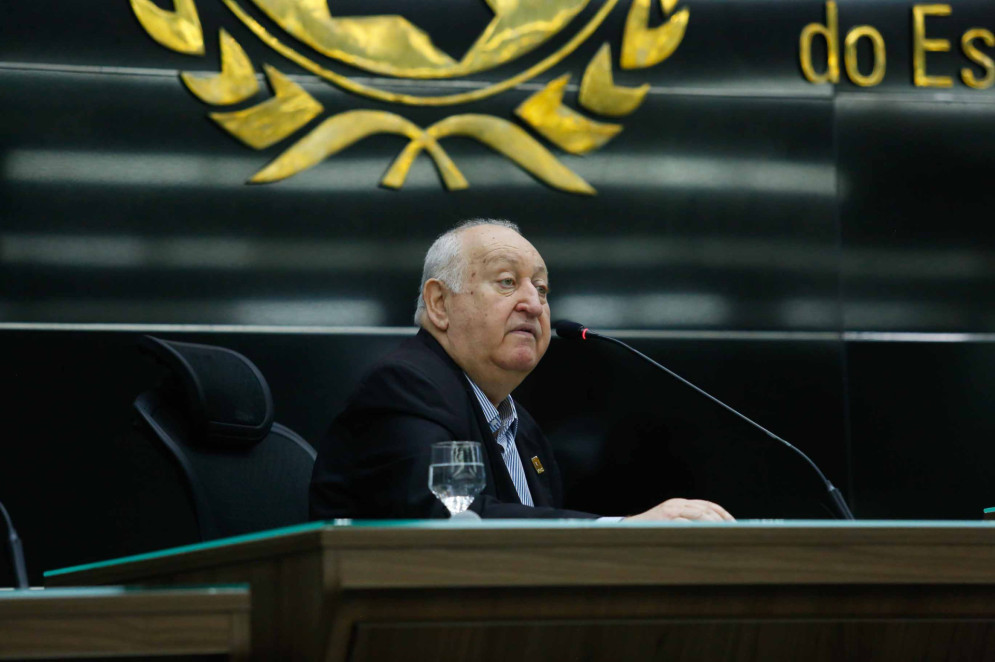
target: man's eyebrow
512 258
501 256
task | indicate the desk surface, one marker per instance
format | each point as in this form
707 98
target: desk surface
411 553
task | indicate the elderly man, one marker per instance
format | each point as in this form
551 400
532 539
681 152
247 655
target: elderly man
484 319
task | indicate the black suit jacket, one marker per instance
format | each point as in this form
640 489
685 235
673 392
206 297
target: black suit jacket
373 461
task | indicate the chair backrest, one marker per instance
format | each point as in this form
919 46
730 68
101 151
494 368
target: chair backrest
214 414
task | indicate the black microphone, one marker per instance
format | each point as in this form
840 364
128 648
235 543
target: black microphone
575 331
16 553
570 330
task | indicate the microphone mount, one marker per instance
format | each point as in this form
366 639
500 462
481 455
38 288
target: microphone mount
16 552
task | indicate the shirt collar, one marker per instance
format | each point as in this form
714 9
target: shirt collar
499 418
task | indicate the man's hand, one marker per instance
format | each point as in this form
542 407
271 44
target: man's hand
686 510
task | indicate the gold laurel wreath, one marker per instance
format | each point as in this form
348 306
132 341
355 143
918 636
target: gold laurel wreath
291 107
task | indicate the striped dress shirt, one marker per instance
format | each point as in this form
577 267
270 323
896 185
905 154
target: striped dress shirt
503 421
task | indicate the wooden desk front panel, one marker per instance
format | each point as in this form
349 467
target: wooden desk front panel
57 624
696 624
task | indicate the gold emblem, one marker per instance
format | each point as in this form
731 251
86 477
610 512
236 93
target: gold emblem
393 46
538 465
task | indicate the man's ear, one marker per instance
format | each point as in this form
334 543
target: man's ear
434 294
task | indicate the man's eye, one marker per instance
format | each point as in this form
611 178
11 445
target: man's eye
508 282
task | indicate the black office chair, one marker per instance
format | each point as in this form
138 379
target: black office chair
214 415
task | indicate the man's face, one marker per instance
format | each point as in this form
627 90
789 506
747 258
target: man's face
499 323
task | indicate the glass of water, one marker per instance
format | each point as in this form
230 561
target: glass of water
456 473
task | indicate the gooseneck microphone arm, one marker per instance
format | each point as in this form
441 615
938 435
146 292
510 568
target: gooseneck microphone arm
16 553
574 331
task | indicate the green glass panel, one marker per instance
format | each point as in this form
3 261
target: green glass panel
106 591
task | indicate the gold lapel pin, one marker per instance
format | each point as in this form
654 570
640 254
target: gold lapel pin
538 465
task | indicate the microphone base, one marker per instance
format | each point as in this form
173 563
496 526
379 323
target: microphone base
841 506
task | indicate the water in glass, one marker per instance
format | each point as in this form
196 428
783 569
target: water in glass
456 473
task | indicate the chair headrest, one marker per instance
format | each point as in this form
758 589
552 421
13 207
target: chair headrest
227 398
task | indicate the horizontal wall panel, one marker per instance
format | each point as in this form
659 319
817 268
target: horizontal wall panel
696 223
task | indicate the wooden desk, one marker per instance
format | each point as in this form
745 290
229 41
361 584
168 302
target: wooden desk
528 590
116 621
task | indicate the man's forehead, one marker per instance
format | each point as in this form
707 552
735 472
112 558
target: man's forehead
492 244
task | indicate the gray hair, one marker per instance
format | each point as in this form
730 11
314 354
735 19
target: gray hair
446 262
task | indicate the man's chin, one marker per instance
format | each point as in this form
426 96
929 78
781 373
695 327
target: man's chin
521 359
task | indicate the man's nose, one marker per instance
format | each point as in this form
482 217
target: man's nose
530 301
